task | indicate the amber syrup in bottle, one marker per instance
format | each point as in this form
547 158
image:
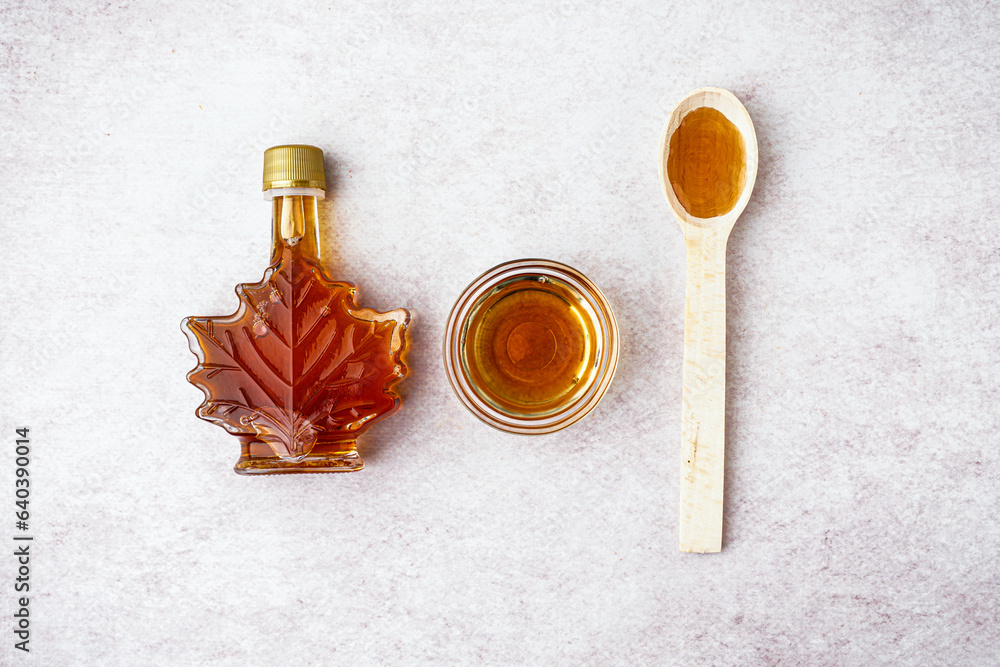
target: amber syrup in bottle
299 371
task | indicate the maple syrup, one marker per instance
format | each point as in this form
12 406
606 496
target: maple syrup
298 372
531 346
706 163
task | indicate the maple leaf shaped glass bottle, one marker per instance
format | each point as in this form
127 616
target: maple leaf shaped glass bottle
298 372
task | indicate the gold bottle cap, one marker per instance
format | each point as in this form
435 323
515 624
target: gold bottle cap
294 166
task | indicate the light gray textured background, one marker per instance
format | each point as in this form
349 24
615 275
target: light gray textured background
863 472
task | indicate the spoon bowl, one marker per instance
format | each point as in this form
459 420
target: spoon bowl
708 166
725 103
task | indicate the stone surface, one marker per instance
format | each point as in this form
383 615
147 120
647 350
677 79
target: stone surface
863 472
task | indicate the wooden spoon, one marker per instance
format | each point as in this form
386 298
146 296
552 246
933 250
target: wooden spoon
707 179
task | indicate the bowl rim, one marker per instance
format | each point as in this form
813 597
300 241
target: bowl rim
478 289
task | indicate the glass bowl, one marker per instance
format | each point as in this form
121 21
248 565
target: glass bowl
531 346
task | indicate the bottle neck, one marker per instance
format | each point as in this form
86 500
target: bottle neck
294 219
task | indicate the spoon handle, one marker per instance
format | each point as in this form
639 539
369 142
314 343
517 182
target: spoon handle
703 423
